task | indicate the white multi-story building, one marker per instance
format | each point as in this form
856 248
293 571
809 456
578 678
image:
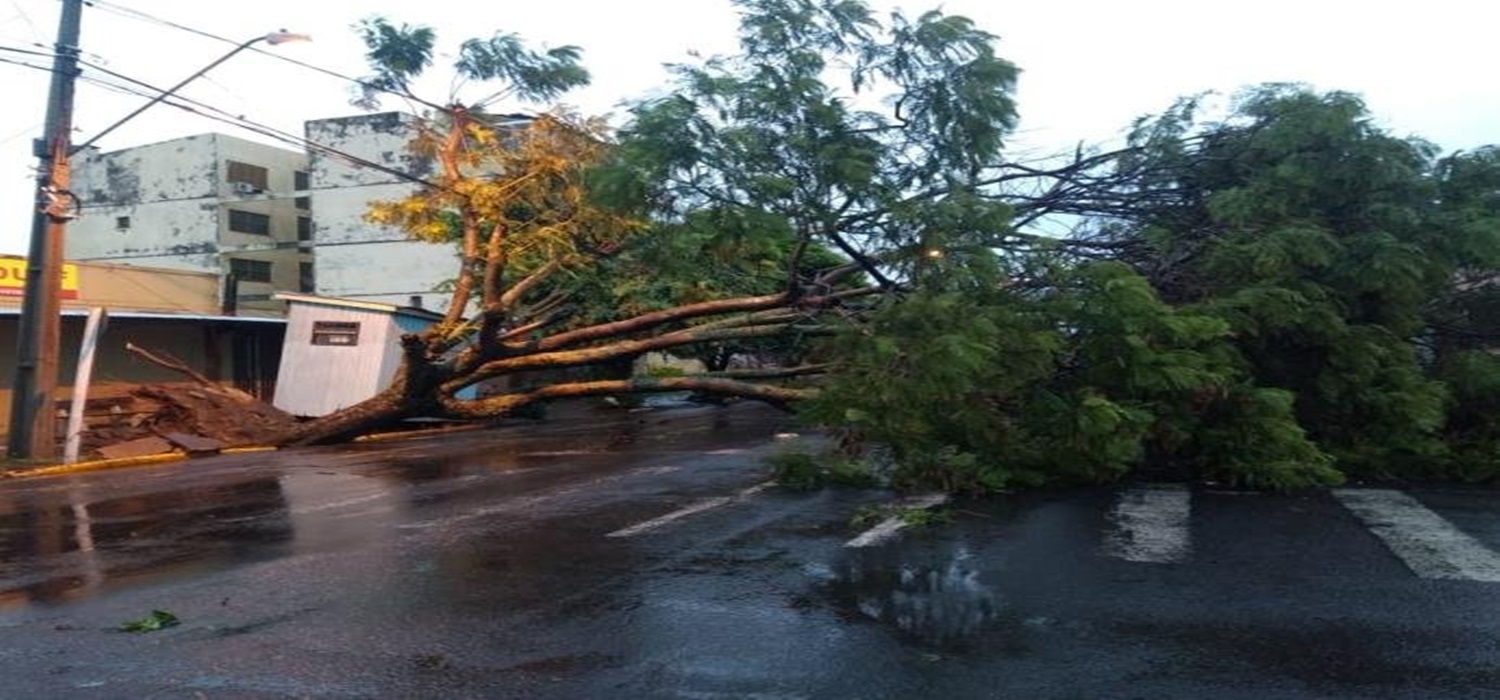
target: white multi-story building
209 203
357 259
270 219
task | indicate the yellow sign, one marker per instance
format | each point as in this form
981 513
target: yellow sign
13 279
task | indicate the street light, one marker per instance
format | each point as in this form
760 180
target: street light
274 38
33 432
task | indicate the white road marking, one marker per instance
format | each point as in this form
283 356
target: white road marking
1150 525
888 528
357 500
1429 545
527 502
694 509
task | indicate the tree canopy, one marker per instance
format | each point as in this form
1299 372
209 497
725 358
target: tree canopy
1285 296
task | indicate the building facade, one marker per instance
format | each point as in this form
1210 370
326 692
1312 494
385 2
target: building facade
357 259
167 311
268 219
209 203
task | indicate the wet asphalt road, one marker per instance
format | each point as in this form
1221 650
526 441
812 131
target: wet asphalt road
558 561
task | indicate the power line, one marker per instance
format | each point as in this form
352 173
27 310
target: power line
143 16
219 115
241 121
208 111
21 15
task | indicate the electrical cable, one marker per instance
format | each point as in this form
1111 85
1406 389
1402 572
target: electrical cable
143 16
146 90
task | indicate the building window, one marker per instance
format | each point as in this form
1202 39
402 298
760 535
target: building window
250 178
304 228
122 223
335 333
302 182
249 222
250 270
306 281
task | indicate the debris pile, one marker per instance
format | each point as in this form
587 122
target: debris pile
194 417
197 415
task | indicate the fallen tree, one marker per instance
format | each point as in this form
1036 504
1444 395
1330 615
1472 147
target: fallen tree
754 210
1285 298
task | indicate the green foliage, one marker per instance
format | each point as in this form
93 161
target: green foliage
1328 246
925 517
1472 432
806 471
912 517
1249 436
398 55
157 620
1284 297
772 137
1098 378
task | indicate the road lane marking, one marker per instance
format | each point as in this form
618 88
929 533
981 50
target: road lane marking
1150 524
518 503
331 505
887 529
694 509
1428 544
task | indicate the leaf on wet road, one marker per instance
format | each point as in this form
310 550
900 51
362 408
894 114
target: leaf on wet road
158 619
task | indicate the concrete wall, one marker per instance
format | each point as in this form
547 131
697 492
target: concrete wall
143 289
168 191
121 287
177 196
357 259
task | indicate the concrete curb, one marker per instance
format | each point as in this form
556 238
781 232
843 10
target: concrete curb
103 464
175 456
95 465
248 449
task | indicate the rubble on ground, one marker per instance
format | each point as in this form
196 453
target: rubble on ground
188 416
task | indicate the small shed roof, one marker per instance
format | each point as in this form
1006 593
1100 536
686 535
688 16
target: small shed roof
157 315
360 304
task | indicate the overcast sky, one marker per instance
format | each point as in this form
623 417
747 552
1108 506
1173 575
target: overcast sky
1089 66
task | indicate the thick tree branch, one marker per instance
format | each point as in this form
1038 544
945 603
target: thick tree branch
168 362
656 319
499 405
563 359
513 295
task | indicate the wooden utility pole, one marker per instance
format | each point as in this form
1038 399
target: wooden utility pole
33 415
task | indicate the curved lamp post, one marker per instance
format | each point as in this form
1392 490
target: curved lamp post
33 430
274 38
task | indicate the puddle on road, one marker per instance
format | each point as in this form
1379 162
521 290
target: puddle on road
58 550
941 604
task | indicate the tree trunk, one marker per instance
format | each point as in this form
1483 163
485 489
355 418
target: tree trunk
382 411
413 393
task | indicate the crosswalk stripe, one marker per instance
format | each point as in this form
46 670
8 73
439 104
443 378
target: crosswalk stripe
1150 524
1429 545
